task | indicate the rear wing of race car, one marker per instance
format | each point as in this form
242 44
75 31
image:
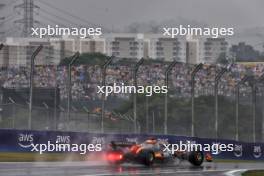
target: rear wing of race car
115 144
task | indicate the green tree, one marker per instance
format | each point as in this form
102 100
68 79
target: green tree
87 59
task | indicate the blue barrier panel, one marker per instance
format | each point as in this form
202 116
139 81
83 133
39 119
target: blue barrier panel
22 140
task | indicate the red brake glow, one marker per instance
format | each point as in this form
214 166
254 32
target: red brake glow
114 156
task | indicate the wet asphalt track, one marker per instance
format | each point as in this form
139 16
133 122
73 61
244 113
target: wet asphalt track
100 169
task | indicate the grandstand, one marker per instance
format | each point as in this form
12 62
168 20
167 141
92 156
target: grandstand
86 105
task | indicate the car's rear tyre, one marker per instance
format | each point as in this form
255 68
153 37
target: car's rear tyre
196 158
147 157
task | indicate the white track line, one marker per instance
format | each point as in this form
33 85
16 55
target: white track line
194 173
235 172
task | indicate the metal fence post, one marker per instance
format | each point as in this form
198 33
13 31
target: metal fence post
254 103
88 117
260 80
196 69
167 72
262 124
104 67
262 119
32 65
47 113
135 70
252 83
147 114
217 78
237 99
73 59
153 122
13 112
55 100
237 111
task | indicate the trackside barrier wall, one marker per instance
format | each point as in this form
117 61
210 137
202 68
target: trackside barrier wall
21 140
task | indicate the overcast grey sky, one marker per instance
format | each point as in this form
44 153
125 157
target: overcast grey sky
246 16
237 13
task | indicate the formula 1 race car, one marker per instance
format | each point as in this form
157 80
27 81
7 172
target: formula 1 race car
149 152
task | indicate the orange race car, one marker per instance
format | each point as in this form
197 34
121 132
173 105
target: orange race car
149 152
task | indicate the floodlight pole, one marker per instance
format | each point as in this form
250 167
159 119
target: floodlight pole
167 72
104 67
135 70
32 65
193 74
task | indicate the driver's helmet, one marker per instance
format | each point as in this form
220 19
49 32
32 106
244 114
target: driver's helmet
151 140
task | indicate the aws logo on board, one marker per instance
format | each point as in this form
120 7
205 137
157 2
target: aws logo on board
131 139
98 140
63 139
25 140
163 140
257 153
238 150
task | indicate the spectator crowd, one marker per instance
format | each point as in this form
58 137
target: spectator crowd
86 78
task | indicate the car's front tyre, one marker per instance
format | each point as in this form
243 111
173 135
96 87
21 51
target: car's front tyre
147 157
196 158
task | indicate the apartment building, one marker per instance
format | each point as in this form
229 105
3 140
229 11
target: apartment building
165 48
212 48
68 46
18 51
4 58
191 49
125 45
205 50
92 45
